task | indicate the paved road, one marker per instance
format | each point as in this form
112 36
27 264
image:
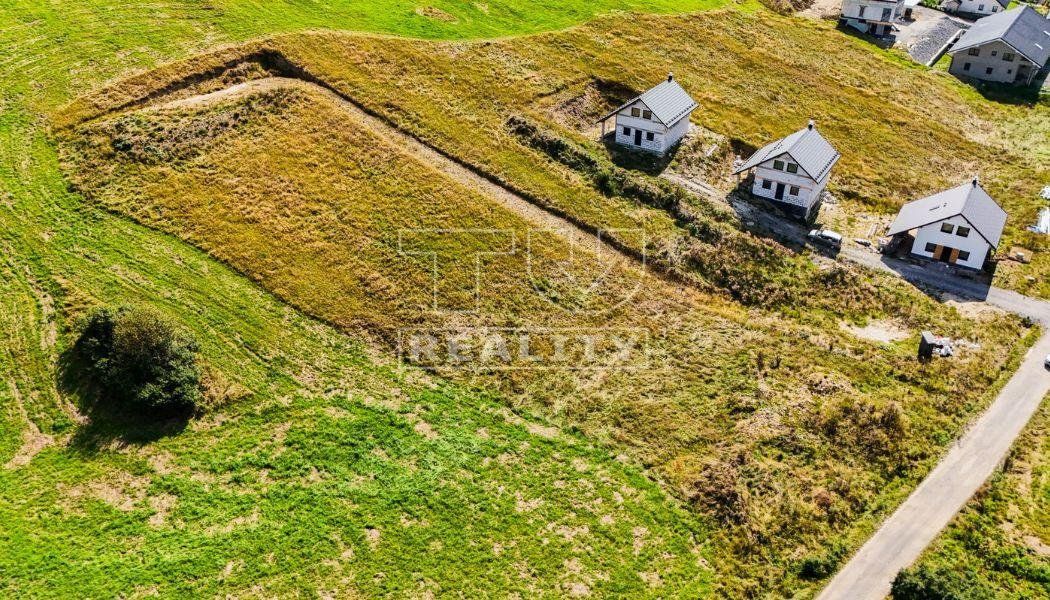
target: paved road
971 460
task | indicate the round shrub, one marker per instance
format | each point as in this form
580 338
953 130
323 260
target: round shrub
140 361
926 583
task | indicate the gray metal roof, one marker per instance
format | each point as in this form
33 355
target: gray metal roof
969 200
668 101
807 147
1024 29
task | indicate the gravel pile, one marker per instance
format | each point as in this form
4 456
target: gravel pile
925 46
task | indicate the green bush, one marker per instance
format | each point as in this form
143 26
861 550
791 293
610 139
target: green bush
824 565
926 583
139 361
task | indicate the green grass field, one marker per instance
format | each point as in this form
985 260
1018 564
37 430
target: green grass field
320 482
814 426
339 475
998 546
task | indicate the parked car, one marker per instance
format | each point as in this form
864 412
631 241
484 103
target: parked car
825 237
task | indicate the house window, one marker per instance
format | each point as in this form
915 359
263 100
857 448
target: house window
947 227
636 112
964 255
995 53
980 7
792 168
995 9
649 135
627 131
886 13
988 71
647 114
1009 71
794 190
962 231
931 247
861 13
974 52
778 165
1008 56
767 184
966 67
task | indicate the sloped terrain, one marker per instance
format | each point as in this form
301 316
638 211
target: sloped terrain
904 131
784 427
90 511
1000 545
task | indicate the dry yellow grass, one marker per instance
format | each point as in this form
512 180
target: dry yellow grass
904 131
806 422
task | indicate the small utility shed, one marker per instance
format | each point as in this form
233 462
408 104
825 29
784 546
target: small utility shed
654 121
1009 47
960 226
793 171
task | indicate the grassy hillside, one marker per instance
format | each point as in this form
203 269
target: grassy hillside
784 426
791 444
333 473
999 545
334 470
904 131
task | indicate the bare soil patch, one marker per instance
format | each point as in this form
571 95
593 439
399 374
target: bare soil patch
884 332
599 96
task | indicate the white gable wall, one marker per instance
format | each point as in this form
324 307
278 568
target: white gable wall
808 190
980 7
663 137
872 10
990 56
973 243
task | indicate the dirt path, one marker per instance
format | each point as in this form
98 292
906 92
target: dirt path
904 536
412 147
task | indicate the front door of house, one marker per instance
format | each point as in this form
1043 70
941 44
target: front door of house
637 137
946 254
780 192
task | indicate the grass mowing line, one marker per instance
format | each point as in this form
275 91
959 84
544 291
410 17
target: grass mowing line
272 60
179 511
326 157
533 209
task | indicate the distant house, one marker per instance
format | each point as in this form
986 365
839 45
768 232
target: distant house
875 17
793 171
654 121
960 226
977 8
1010 47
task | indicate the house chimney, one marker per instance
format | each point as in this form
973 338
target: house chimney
812 124
670 77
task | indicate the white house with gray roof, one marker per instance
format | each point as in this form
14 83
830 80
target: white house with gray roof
654 121
975 8
875 17
960 226
793 171
1009 47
